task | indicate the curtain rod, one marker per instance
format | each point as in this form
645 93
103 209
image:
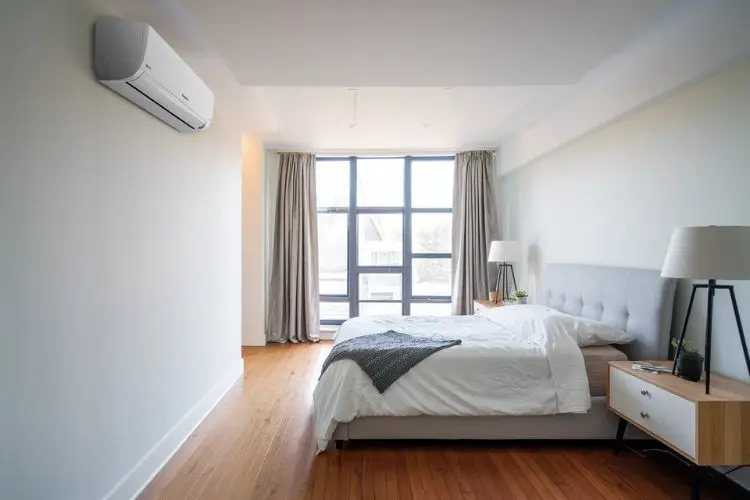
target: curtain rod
380 152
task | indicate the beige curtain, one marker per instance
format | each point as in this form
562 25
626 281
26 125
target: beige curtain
293 304
474 228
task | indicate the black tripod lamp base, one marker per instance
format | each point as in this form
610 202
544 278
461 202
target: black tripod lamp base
711 286
505 275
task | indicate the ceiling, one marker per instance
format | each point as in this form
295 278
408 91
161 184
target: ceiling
396 75
419 42
388 118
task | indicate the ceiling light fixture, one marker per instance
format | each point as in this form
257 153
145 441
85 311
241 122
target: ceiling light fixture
355 108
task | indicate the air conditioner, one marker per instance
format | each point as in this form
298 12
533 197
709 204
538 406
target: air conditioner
134 61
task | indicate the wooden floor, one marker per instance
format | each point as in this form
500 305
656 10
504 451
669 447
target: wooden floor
258 444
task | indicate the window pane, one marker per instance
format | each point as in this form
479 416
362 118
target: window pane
380 183
431 277
332 183
334 310
332 253
378 308
431 309
380 286
432 184
431 233
380 239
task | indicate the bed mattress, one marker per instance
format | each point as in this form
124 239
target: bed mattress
596 359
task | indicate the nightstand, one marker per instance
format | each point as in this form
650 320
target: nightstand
707 429
481 306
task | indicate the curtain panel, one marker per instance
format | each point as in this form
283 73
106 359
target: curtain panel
293 302
474 228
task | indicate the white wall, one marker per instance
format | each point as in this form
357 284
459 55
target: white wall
668 57
614 197
120 266
271 183
253 243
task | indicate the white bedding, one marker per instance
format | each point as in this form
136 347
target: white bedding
520 362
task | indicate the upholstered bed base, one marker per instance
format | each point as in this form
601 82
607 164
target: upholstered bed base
635 300
598 423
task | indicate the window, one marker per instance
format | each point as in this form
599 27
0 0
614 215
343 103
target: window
384 236
332 258
380 182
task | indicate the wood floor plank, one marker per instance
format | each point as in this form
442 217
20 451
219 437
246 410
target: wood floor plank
368 476
520 486
332 479
596 480
380 465
258 444
416 477
353 461
466 463
629 467
450 458
492 482
566 477
437 475
402 477
345 478
539 478
319 481
451 483
596 462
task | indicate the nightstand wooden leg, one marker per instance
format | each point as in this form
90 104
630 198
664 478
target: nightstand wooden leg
619 440
696 493
339 444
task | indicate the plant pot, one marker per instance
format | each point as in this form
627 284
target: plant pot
521 300
690 367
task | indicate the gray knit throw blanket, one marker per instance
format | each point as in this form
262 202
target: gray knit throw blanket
385 357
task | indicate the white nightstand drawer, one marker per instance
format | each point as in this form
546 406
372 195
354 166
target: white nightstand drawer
666 415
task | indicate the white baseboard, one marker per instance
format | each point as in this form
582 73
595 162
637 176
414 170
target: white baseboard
150 465
327 334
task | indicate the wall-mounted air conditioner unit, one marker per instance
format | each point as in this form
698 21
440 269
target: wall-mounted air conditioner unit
133 60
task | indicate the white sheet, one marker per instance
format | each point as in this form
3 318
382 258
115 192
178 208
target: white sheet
519 363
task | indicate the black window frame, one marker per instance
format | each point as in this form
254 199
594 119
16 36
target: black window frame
406 211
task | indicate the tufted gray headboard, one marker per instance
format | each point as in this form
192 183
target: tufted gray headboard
638 301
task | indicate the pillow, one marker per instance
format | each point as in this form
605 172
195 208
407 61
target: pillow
592 332
585 331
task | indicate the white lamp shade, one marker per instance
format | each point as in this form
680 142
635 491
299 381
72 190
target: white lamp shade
710 252
504 251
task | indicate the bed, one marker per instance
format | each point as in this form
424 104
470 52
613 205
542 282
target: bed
636 301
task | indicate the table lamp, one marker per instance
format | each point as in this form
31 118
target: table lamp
710 253
503 253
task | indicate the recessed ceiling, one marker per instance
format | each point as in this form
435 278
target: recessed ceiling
419 42
406 75
392 118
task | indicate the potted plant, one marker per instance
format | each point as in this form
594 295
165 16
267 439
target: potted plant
690 361
521 296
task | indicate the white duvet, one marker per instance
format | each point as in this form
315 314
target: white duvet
517 361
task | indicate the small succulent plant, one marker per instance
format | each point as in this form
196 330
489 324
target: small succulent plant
521 293
688 349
